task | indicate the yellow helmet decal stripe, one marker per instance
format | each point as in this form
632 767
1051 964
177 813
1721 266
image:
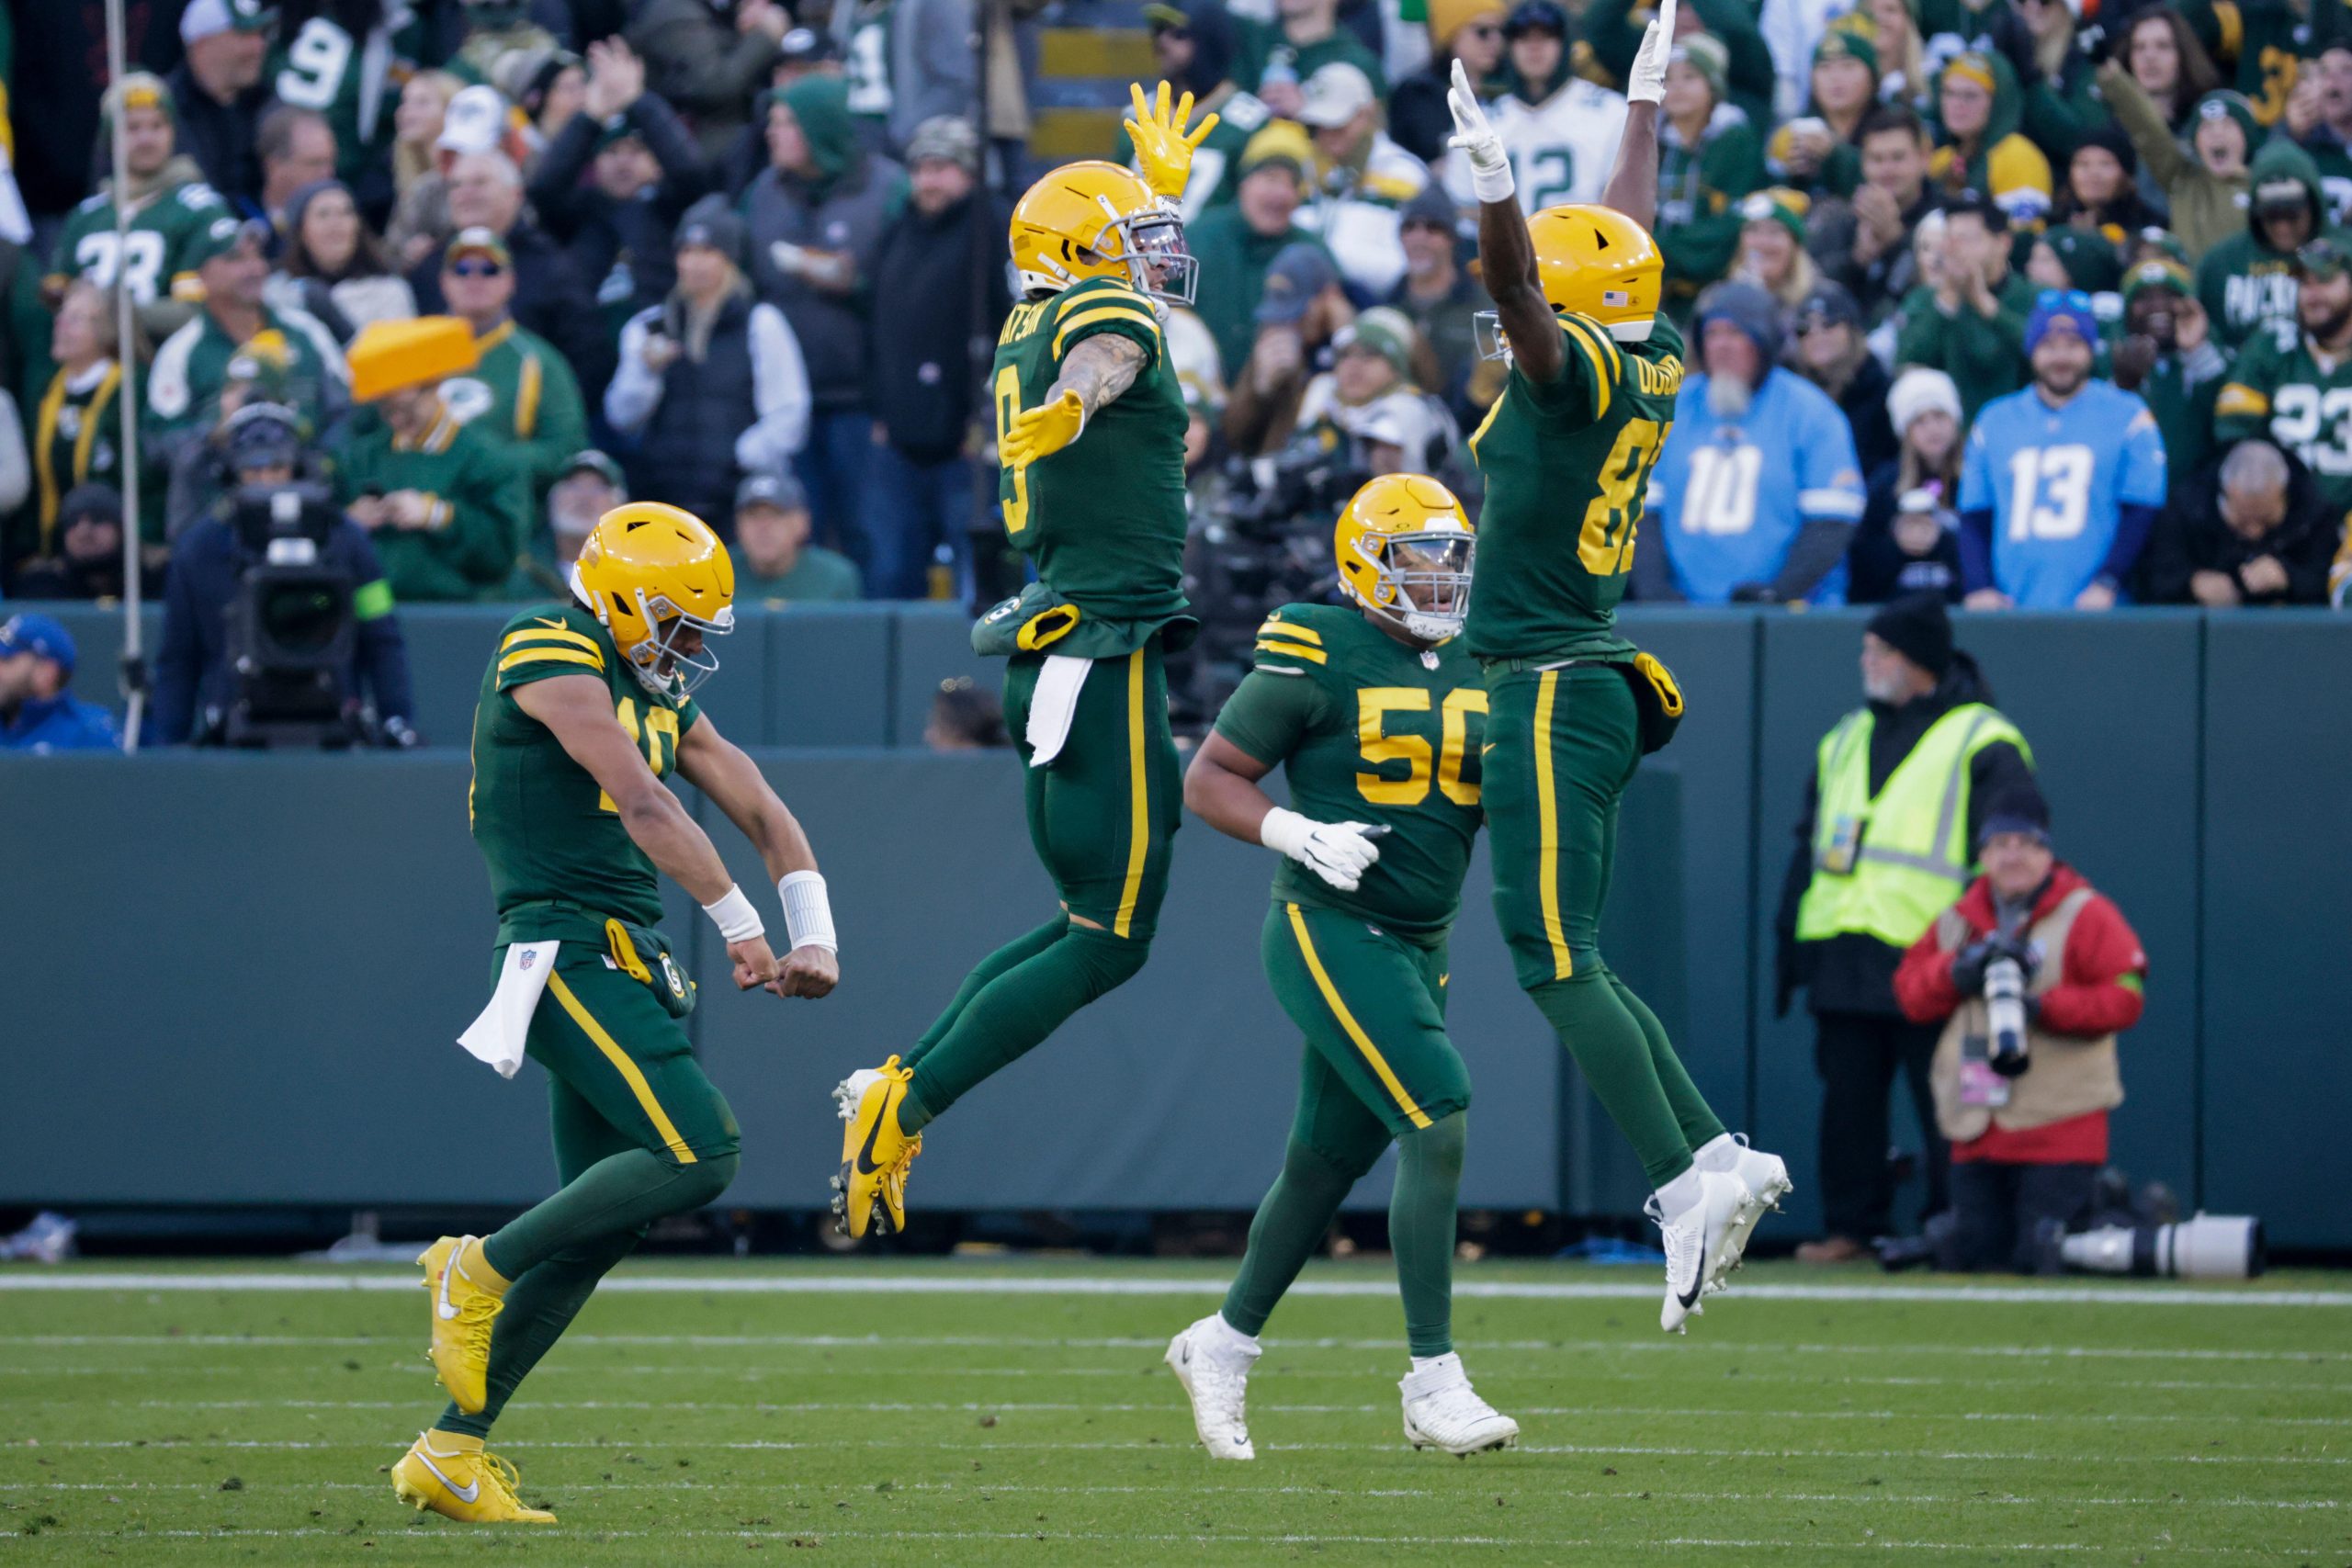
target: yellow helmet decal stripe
1107 313
1295 650
1601 380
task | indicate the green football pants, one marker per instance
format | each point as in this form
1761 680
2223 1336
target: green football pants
639 1134
1561 747
1100 815
1372 1007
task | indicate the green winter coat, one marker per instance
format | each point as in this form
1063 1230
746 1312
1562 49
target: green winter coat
1699 191
1232 259
2242 282
2003 161
2206 209
524 397
1985 358
481 508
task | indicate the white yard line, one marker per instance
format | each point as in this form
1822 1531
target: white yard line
1188 1486
1083 1285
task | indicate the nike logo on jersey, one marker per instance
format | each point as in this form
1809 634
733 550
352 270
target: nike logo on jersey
469 1493
557 623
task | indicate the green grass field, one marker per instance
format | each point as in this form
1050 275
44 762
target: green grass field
1016 1412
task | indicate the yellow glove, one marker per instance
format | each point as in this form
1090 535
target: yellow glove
1162 149
1041 432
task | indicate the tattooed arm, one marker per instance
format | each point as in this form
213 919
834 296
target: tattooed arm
1098 370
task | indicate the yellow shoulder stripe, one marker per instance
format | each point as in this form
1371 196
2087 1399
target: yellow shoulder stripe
2237 398
1601 383
551 656
1600 334
536 634
1295 650
1291 629
1114 312
1080 298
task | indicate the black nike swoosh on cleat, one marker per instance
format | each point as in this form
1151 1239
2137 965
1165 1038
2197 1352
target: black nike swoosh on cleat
1696 1286
864 1165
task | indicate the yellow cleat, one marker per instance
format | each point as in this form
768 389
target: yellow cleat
875 1152
454 1476
467 1296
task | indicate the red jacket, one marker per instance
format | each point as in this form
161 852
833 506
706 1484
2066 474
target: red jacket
2098 991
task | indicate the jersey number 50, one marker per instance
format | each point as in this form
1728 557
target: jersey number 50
1375 704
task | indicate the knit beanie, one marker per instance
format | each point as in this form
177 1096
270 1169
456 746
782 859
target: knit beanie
1918 627
1920 390
1704 53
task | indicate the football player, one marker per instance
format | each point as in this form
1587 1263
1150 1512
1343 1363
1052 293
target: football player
1566 451
1376 715
585 707
1091 427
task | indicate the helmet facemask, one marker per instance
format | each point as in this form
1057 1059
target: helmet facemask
1422 580
1486 331
1151 245
661 666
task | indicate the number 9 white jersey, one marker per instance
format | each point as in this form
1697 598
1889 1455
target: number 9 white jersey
1560 149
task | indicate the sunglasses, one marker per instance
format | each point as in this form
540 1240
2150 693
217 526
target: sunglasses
471 269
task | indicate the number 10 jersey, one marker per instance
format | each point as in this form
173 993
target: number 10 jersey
1566 466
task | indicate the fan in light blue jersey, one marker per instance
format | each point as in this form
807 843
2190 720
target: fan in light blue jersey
2062 481
1757 491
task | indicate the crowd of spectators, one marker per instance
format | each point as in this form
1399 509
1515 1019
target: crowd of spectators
2003 302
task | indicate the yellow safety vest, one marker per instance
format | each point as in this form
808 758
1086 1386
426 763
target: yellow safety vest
1888 865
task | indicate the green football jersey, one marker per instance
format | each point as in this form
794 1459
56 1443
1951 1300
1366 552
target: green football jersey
352 81
1367 729
154 259
2289 396
1104 517
560 863
1565 468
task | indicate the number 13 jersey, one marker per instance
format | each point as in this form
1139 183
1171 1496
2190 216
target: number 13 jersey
1565 467
1367 729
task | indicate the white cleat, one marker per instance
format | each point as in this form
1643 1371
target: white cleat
1766 1177
1213 1363
1695 1242
852 1089
1443 1411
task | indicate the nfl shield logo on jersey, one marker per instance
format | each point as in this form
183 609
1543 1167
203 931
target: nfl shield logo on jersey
528 959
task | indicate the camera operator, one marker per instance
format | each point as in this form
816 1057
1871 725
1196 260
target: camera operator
2032 974
195 686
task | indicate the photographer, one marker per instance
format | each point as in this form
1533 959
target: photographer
195 685
2032 974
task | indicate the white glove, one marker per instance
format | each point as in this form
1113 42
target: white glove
1489 164
1339 852
1645 82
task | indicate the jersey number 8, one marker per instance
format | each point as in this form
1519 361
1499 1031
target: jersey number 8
1605 544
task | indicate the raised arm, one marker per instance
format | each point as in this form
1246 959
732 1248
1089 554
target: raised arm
1507 255
1632 180
578 710
718 767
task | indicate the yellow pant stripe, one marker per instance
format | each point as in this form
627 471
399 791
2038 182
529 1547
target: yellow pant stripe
1371 1052
549 656
1547 829
626 1068
1138 798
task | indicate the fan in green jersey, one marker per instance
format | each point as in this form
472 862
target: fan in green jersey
1090 434
2295 385
585 707
1567 452
168 207
1376 715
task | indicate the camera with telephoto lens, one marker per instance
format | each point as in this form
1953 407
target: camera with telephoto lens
292 628
1267 547
2005 1048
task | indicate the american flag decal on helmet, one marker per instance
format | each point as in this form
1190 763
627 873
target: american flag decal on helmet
1614 297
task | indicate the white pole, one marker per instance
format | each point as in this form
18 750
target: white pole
134 664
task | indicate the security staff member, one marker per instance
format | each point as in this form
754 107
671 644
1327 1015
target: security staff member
1896 799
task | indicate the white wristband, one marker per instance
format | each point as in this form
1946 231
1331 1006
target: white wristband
1492 185
807 915
1285 831
735 917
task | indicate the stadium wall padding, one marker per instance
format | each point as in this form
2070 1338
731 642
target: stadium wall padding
2194 764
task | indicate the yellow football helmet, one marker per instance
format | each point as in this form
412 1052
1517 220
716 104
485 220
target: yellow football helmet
1406 549
1097 220
1596 262
648 570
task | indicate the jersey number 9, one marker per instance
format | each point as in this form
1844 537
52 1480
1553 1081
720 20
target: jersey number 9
1014 492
